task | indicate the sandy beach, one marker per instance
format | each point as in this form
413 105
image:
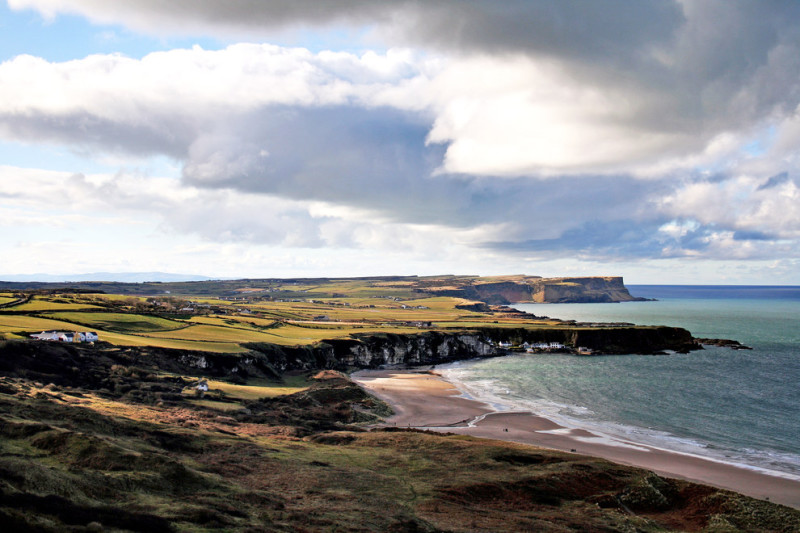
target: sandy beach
423 399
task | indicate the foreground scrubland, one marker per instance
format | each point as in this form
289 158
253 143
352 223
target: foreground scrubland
103 438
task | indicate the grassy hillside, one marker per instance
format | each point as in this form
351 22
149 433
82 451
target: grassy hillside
109 439
337 309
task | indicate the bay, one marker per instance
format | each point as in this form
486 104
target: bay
737 406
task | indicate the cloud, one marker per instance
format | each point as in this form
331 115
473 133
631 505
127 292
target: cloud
568 27
524 128
774 181
508 89
209 16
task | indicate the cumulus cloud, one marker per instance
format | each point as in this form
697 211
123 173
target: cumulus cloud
530 128
517 88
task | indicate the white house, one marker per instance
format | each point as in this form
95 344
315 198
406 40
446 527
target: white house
46 336
66 336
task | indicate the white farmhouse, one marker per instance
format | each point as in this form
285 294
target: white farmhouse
46 336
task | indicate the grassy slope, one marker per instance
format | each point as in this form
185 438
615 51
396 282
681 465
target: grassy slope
358 307
120 322
243 459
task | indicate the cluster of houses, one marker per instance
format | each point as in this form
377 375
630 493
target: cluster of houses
66 336
532 347
537 347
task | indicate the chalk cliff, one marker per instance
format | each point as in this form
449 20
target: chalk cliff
371 351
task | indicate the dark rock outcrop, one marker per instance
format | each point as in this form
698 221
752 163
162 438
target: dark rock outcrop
725 343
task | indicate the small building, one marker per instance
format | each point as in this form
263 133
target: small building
90 336
46 336
67 337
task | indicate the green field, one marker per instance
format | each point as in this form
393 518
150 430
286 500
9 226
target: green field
49 305
33 324
286 313
212 334
176 344
121 322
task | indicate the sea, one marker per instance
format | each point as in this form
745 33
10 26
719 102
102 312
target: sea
734 406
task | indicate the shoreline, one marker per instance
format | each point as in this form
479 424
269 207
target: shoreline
424 399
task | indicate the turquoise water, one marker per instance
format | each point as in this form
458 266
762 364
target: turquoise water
735 406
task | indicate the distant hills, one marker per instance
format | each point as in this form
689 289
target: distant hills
492 290
121 277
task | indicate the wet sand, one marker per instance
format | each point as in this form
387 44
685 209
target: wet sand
423 399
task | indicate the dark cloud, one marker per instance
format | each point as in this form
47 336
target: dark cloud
774 181
613 30
149 135
752 236
613 27
377 160
628 238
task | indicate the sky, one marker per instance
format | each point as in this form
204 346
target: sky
656 140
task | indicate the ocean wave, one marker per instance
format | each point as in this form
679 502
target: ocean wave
502 397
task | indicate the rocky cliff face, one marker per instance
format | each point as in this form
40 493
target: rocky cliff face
504 292
580 290
372 351
426 348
